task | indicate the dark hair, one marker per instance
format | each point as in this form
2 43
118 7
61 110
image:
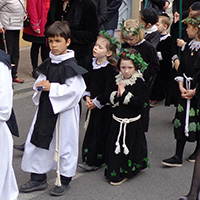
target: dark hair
59 28
110 47
149 16
122 57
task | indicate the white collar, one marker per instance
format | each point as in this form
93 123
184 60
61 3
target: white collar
139 43
194 45
119 78
164 37
96 66
151 30
60 58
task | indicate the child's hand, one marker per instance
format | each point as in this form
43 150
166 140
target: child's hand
45 84
189 94
180 42
176 64
121 89
88 102
176 17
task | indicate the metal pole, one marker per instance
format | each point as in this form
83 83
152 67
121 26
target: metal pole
180 25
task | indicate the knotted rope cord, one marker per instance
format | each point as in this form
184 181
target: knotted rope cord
188 85
123 121
87 120
57 150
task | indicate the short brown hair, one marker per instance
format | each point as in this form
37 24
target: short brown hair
59 28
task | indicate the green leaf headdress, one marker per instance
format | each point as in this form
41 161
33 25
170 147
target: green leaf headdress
111 39
128 31
137 59
194 22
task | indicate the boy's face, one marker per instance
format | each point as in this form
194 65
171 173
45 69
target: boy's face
160 26
58 45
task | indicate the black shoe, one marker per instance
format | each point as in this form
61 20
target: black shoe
35 74
174 161
59 190
86 167
192 157
19 147
31 186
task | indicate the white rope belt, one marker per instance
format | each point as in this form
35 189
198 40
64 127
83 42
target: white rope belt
123 121
57 150
87 120
188 85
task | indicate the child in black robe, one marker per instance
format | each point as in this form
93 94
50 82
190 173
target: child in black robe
126 153
186 122
98 115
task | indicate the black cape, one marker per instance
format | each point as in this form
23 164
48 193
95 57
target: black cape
46 119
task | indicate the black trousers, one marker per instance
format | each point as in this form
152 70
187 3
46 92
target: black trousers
42 177
35 47
12 42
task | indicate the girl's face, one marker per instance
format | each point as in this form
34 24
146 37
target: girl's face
160 26
131 40
191 31
99 50
58 45
127 68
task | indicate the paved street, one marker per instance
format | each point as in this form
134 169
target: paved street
155 183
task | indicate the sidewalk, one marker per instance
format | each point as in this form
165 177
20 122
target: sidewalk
24 72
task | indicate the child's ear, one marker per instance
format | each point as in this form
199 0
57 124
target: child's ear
68 42
149 25
109 53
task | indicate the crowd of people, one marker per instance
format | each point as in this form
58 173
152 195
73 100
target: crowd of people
118 81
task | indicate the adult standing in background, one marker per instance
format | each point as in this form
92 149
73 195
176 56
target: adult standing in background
37 11
11 22
112 16
158 5
82 18
176 13
101 10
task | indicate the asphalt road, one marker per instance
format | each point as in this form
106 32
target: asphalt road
155 183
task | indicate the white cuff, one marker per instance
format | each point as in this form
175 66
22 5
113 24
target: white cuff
97 103
179 78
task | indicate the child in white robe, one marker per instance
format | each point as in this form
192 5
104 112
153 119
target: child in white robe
8 184
55 127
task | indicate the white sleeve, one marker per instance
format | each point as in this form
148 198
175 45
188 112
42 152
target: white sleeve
36 95
6 93
66 96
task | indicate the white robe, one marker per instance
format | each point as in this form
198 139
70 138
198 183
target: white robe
64 99
8 184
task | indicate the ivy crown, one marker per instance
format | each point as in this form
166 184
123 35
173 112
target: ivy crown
194 22
137 59
111 39
128 31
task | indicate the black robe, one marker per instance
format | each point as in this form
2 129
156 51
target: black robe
94 144
129 105
191 68
165 86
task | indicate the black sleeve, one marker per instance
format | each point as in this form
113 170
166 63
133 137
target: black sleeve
112 7
90 31
159 3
